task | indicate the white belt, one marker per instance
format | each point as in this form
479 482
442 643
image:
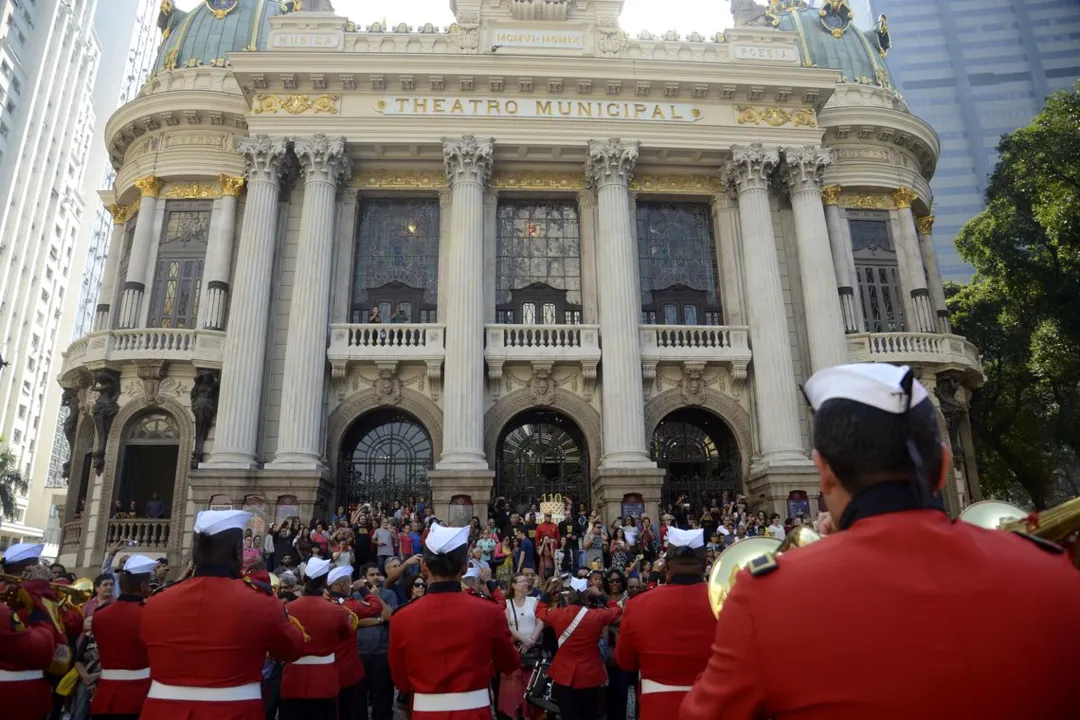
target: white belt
648 687
315 660
161 691
20 675
141 674
451 702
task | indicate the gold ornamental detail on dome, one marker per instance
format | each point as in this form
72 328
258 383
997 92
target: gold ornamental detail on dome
683 184
867 201
230 184
925 224
221 8
776 116
296 104
149 186
414 180
193 191
537 181
903 197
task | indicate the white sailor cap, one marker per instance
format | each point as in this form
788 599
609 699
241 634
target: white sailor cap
579 584
21 552
338 573
316 568
878 385
472 572
140 565
442 540
212 522
691 539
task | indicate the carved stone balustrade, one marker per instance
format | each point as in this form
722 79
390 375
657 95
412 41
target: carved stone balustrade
139 534
202 348
943 352
542 346
696 345
385 345
71 537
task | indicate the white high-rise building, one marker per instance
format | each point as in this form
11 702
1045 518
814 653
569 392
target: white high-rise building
62 68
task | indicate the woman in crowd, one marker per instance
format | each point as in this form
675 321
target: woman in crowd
647 539
268 546
518 554
304 543
564 558
526 631
546 565
620 550
618 679
504 561
593 543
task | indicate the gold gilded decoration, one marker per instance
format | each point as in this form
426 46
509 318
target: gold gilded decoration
193 191
775 116
867 201
831 194
686 184
382 180
903 197
231 184
296 104
538 181
122 213
925 224
149 185
221 8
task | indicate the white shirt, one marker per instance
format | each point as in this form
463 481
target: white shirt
522 619
777 531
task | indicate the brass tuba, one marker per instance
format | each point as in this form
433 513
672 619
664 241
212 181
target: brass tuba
1058 524
741 554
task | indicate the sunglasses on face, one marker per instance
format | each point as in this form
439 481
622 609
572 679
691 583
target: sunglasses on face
419 585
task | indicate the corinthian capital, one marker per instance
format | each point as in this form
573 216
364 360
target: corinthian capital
263 157
610 162
805 166
468 159
322 159
750 167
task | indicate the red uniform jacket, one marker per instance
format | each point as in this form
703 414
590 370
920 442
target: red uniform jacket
546 529
26 646
347 655
116 629
577 662
922 619
450 642
328 625
213 632
681 611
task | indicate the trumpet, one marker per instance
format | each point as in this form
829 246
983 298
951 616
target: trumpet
77 594
741 554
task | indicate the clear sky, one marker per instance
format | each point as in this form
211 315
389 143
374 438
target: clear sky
659 16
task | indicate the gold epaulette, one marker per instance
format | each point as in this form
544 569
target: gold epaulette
763 565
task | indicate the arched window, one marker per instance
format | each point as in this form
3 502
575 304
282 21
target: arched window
699 455
541 453
538 263
149 461
154 428
677 264
385 457
180 259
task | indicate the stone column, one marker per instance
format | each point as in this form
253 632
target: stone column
219 255
587 228
491 241
102 314
609 168
824 321
245 344
135 283
925 225
774 373
843 260
919 315
468 167
725 231
324 163
348 208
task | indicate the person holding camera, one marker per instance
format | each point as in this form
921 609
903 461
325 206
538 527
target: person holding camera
527 632
577 670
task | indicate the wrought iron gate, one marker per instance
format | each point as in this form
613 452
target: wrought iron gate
543 453
699 455
385 457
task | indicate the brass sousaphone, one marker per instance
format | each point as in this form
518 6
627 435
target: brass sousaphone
741 554
1058 524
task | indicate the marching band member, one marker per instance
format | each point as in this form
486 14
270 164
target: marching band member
346 655
577 672
207 636
924 617
476 584
125 668
309 684
446 646
29 636
681 608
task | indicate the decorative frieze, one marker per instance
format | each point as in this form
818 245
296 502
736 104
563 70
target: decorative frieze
776 116
537 181
193 191
385 180
681 184
296 104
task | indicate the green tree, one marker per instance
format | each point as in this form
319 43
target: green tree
11 482
1022 308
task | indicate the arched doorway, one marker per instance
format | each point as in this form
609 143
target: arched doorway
541 452
385 457
699 456
151 451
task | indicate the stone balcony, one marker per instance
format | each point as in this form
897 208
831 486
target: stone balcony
942 352
541 346
694 346
385 345
202 348
139 535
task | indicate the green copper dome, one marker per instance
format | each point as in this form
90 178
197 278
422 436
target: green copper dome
829 39
215 28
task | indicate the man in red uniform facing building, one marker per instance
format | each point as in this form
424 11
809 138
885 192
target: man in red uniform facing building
207 637
447 645
922 617
347 655
309 684
125 668
681 609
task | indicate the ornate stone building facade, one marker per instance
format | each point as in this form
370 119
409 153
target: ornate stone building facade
526 255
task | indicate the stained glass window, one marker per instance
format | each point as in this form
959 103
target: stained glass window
538 246
180 260
397 251
677 264
154 428
877 271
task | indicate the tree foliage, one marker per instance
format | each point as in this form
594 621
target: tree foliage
11 482
1022 308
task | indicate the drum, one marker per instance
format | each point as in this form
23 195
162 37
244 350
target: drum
538 691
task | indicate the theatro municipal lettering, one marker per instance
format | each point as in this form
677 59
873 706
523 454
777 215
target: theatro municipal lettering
536 108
